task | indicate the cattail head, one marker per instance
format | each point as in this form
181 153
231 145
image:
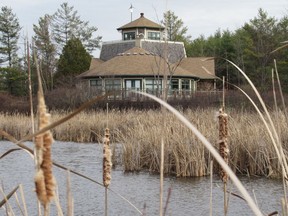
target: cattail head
223 144
44 179
107 163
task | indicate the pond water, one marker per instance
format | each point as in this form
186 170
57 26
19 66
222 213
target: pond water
189 196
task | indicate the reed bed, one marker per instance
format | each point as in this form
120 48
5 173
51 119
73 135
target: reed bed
140 134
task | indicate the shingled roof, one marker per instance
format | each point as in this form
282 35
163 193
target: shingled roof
141 22
95 62
202 67
139 62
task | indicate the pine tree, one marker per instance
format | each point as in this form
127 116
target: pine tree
46 50
12 77
67 24
176 31
9 35
263 32
73 61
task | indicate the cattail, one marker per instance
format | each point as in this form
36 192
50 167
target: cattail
44 179
107 163
223 144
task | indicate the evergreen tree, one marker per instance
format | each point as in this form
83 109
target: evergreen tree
73 61
12 77
282 53
67 24
197 47
13 81
46 50
263 31
9 35
176 31
251 48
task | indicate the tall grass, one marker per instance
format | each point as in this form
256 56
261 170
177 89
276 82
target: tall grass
140 134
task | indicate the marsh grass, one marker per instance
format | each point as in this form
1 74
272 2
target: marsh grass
140 133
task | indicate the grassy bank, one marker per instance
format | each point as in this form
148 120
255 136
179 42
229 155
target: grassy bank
140 133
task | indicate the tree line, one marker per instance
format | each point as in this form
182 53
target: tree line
63 44
252 47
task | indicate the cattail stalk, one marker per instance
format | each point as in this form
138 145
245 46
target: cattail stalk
23 199
161 176
223 151
211 188
69 196
31 109
44 179
107 166
223 144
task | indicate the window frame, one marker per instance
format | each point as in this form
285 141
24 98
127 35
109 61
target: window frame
98 83
111 85
184 84
128 34
153 35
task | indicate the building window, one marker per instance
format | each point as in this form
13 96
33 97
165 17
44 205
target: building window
133 84
185 84
96 83
154 35
153 86
112 84
174 84
129 36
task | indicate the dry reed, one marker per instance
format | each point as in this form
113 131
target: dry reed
139 131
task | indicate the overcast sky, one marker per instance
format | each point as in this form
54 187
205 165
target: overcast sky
201 17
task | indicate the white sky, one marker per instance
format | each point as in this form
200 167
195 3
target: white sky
201 17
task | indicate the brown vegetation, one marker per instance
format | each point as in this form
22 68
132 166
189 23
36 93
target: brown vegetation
140 133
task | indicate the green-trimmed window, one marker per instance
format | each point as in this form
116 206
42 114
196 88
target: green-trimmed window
174 84
153 84
96 83
133 84
154 35
185 84
113 84
129 36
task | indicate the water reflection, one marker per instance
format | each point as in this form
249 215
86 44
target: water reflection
190 196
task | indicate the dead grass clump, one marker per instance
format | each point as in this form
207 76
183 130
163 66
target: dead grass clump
184 155
16 124
251 151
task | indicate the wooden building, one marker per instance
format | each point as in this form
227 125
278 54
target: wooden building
143 59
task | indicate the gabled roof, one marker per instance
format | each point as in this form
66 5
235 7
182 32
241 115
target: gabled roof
139 62
141 22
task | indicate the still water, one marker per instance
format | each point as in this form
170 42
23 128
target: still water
189 196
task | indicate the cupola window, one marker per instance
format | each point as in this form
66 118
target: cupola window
154 35
129 36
